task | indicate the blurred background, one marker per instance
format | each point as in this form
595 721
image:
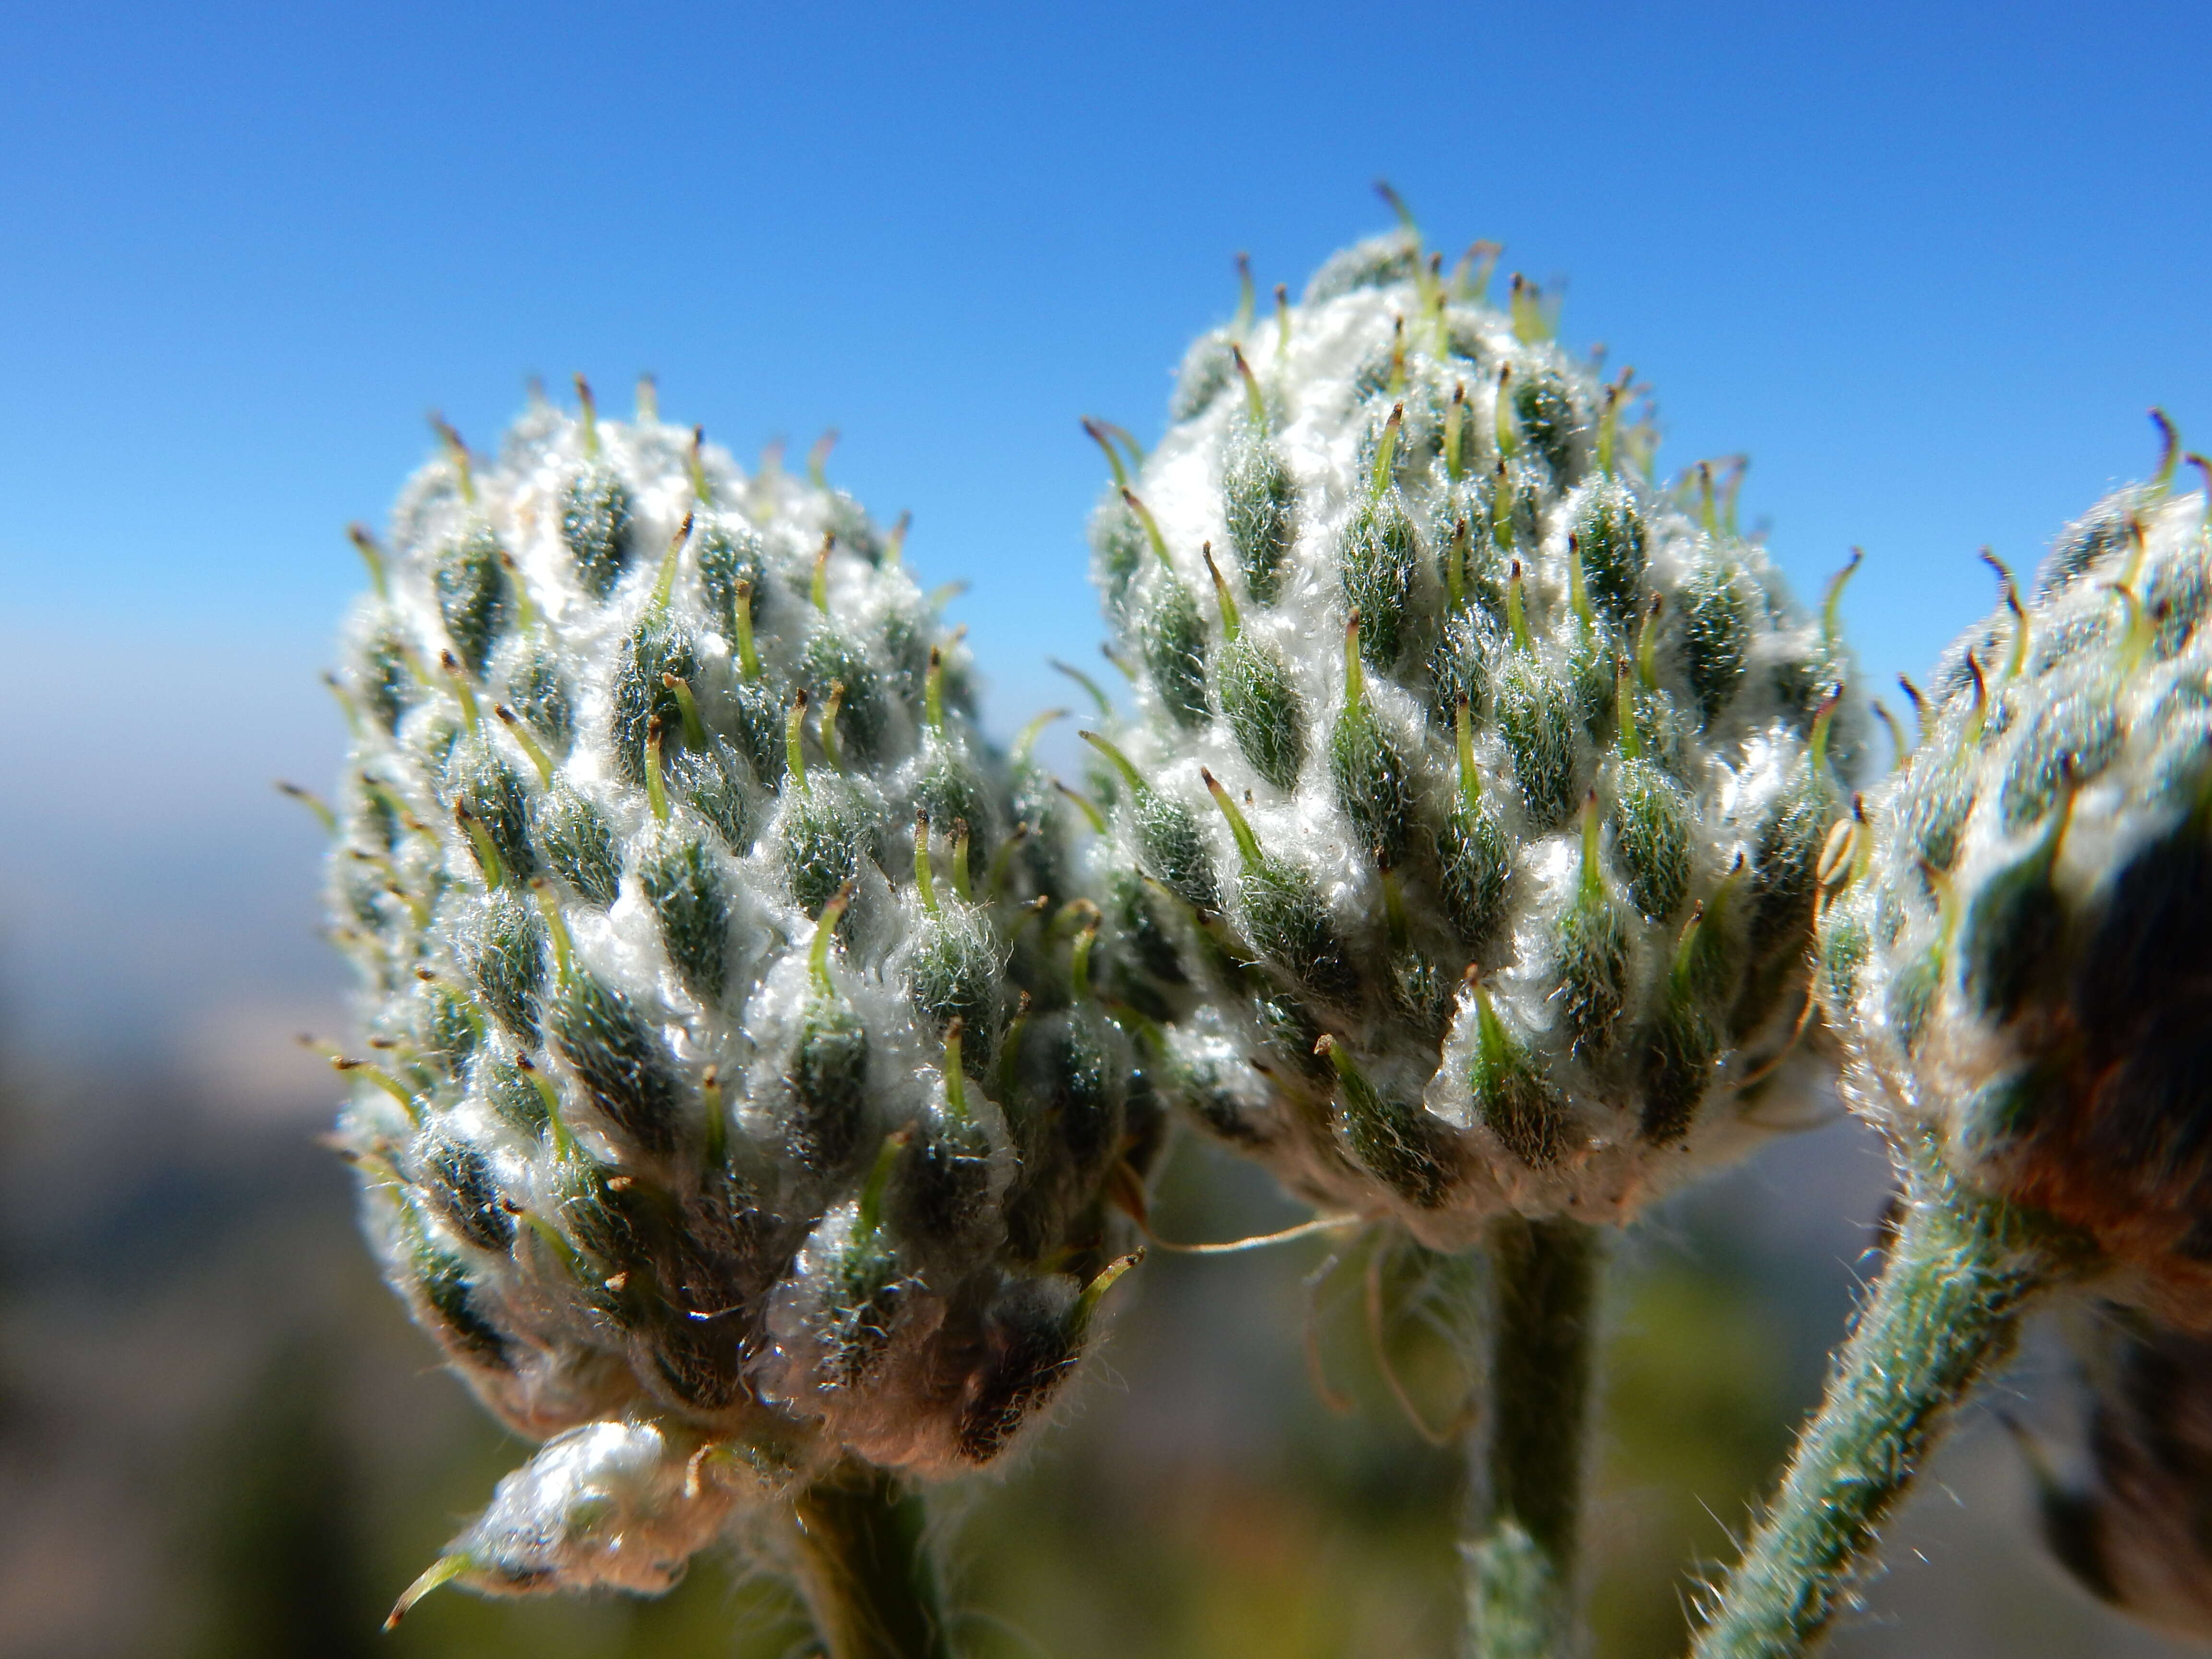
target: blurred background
1926 263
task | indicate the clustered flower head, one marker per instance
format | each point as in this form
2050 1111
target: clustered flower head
2018 936
735 1103
1464 843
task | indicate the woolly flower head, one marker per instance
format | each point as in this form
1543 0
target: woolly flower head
2019 951
1464 840
733 1091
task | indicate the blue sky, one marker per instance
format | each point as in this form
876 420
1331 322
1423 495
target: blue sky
1927 264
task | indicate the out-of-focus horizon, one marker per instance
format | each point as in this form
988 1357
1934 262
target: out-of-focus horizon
1926 266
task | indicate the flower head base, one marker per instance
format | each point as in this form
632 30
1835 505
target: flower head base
2019 936
623 1504
734 1087
1466 837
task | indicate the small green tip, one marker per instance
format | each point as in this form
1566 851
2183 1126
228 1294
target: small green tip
1608 423
1593 870
1255 405
932 690
487 850
443 1571
1098 697
960 876
1079 961
1399 206
956 1076
749 662
1647 644
556 928
1084 804
314 802
1086 1305
1831 604
532 750
825 730
1386 451
1159 543
870 1209
1900 747
1825 719
695 725
825 930
925 878
590 416
457 456
1096 431
1501 408
1516 608
664 585
794 749
1470 780
1247 844
696 463
656 785
371 556
2169 457
1121 763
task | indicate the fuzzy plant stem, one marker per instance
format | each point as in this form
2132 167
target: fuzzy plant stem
1945 1312
1521 1549
864 1571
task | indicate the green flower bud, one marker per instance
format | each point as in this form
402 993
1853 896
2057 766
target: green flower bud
648 974
1568 718
2016 939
